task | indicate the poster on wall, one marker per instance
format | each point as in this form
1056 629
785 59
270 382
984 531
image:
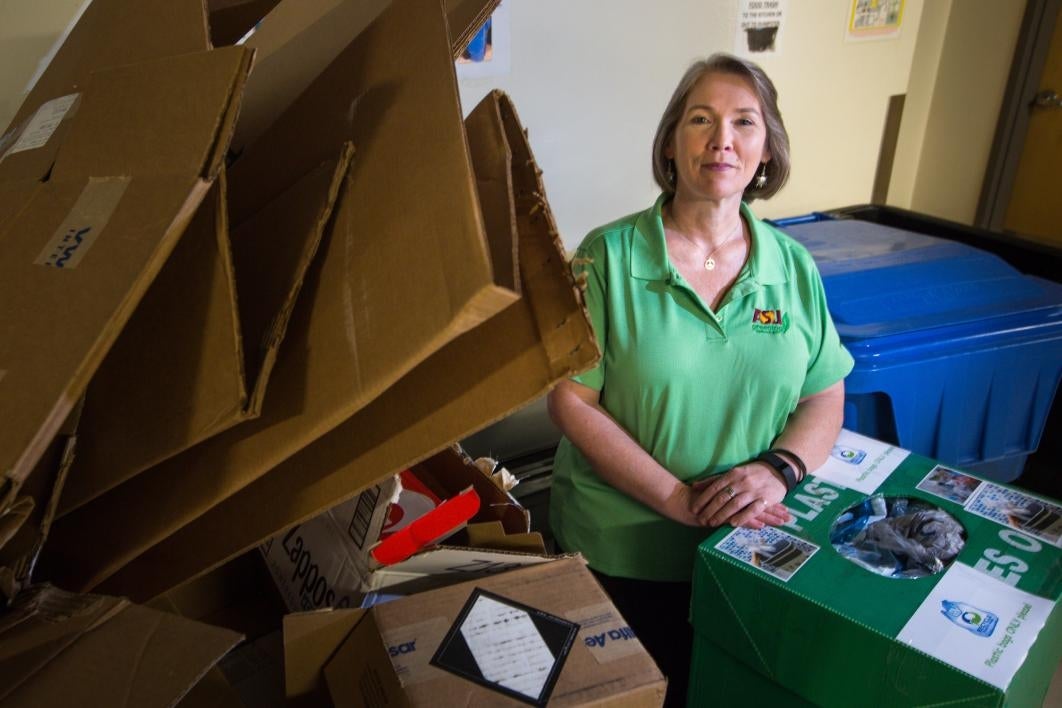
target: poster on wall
487 53
759 27
874 19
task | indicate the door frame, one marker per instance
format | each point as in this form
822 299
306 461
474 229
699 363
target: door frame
1030 55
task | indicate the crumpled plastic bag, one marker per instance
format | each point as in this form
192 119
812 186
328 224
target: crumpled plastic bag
898 537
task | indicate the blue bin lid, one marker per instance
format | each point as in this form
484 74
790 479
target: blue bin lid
882 281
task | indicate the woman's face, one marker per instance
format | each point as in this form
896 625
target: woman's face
720 139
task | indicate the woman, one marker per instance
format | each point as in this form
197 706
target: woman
717 350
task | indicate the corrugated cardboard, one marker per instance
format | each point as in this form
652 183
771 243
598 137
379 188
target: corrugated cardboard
133 162
298 39
213 321
92 650
406 270
345 652
511 359
836 634
24 525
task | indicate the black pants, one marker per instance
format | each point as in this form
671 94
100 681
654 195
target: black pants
658 612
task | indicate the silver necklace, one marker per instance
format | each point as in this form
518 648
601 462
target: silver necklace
709 261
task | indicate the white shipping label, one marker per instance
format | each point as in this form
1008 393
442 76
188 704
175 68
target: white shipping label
604 632
507 647
84 223
43 124
977 624
860 463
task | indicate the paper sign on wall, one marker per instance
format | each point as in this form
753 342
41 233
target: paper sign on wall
759 26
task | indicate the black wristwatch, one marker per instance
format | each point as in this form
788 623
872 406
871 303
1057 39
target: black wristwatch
780 465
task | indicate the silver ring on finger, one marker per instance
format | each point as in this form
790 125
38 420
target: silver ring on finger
730 490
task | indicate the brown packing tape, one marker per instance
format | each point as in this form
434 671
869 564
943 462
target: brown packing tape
187 326
405 271
482 376
49 309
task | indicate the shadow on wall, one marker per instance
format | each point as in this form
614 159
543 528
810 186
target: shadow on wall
19 57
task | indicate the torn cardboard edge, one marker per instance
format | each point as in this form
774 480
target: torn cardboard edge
319 385
519 355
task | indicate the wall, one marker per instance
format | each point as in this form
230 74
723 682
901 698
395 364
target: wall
28 28
958 79
590 80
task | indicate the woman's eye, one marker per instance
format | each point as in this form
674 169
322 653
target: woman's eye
746 121
700 120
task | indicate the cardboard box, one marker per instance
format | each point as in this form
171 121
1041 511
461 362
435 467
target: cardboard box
392 654
126 155
93 650
800 617
328 562
389 367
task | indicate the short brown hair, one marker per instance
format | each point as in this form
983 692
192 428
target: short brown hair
777 137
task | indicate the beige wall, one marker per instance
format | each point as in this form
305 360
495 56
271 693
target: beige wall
958 78
28 28
591 77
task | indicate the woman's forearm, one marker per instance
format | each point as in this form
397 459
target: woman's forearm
615 456
812 429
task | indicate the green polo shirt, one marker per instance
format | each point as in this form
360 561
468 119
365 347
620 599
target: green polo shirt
701 391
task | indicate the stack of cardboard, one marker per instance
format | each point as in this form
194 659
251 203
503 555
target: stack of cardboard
232 299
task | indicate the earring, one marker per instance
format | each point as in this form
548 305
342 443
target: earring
761 178
671 172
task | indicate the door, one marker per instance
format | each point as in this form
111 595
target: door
1035 208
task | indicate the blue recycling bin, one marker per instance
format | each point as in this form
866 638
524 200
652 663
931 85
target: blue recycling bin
957 354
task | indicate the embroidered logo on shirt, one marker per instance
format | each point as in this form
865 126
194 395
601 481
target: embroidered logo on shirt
769 321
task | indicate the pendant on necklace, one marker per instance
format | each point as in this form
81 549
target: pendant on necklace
709 263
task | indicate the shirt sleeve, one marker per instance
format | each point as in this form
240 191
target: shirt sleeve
830 362
589 266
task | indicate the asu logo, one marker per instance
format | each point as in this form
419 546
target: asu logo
769 321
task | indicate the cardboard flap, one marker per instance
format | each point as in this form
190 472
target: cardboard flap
109 652
404 272
360 672
480 377
274 251
310 639
187 326
190 325
107 235
109 33
298 39
492 162
491 534
156 117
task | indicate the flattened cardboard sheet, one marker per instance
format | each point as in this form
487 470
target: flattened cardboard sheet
159 126
92 650
405 271
213 321
482 376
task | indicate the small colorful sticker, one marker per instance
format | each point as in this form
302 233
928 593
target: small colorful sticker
772 550
1031 515
949 484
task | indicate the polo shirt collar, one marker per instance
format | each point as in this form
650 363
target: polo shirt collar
649 249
